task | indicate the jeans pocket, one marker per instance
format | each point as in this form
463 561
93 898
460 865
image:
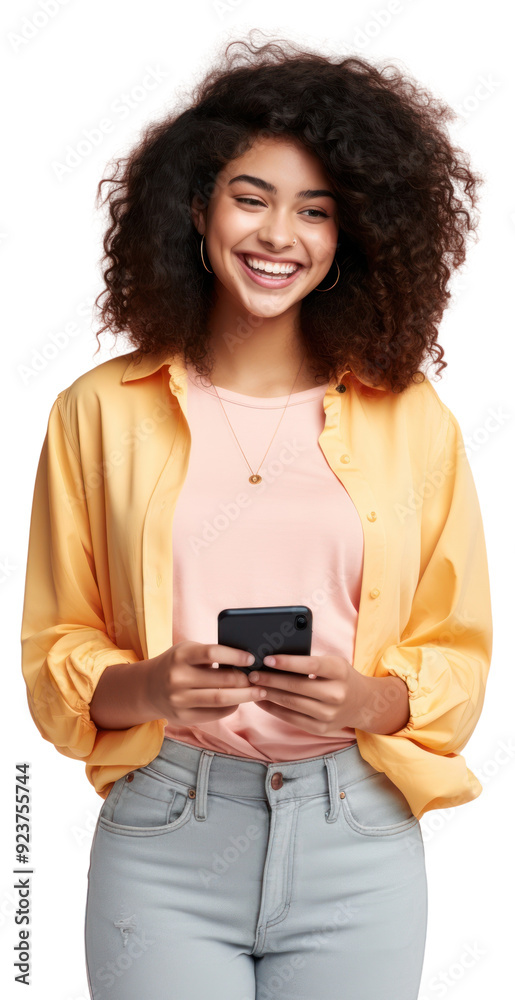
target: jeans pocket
374 806
146 802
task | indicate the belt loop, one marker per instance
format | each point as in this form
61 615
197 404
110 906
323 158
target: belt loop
332 776
205 762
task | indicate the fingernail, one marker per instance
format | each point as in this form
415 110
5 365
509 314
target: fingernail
269 661
253 676
250 660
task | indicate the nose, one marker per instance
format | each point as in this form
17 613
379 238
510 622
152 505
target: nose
277 235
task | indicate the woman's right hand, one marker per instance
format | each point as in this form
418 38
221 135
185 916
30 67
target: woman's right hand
184 687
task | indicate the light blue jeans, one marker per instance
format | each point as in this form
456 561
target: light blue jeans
218 877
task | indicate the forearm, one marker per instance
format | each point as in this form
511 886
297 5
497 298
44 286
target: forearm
121 697
384 705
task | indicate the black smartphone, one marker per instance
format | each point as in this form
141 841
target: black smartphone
264 631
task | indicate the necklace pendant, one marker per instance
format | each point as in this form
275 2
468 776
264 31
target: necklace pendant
255 478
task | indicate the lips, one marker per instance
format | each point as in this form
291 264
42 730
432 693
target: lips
272 260
266 280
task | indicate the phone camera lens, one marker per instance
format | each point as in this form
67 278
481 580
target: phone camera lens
301 621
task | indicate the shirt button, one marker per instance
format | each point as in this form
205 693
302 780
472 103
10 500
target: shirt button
375 592
345 458
276 780
372 516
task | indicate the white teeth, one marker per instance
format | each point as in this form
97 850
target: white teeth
268 266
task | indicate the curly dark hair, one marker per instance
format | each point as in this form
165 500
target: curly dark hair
403 199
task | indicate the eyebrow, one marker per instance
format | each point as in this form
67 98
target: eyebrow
266 186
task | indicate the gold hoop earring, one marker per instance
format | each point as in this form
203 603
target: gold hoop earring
202 255
331 286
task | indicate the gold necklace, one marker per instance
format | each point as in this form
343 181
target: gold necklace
254 478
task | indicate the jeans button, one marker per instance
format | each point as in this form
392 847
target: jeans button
276 780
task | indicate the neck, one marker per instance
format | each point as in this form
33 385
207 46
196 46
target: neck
263 356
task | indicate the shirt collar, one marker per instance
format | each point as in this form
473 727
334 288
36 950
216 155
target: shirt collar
143 365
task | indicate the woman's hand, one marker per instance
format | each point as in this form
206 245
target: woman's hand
183 686
336 697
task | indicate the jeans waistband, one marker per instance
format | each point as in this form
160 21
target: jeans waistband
207 770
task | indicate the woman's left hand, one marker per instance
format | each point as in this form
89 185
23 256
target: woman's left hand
325 705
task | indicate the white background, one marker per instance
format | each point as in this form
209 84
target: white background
62 75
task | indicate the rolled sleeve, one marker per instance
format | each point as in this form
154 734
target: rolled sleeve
445 650
65 645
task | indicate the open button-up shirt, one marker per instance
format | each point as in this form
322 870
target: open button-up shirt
99 570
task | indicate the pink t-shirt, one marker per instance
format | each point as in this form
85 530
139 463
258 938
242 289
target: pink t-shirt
294 538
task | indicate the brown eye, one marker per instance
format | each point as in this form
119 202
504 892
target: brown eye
253 201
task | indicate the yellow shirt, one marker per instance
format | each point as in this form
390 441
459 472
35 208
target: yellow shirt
99 577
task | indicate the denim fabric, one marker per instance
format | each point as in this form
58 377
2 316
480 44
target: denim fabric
218 877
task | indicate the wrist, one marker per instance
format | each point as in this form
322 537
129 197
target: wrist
384 705
148 688
121 697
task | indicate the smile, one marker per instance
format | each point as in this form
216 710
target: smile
267 273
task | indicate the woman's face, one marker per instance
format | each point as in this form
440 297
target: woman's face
259 216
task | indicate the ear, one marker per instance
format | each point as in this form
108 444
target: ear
198 215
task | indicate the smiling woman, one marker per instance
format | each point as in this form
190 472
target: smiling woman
291 235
